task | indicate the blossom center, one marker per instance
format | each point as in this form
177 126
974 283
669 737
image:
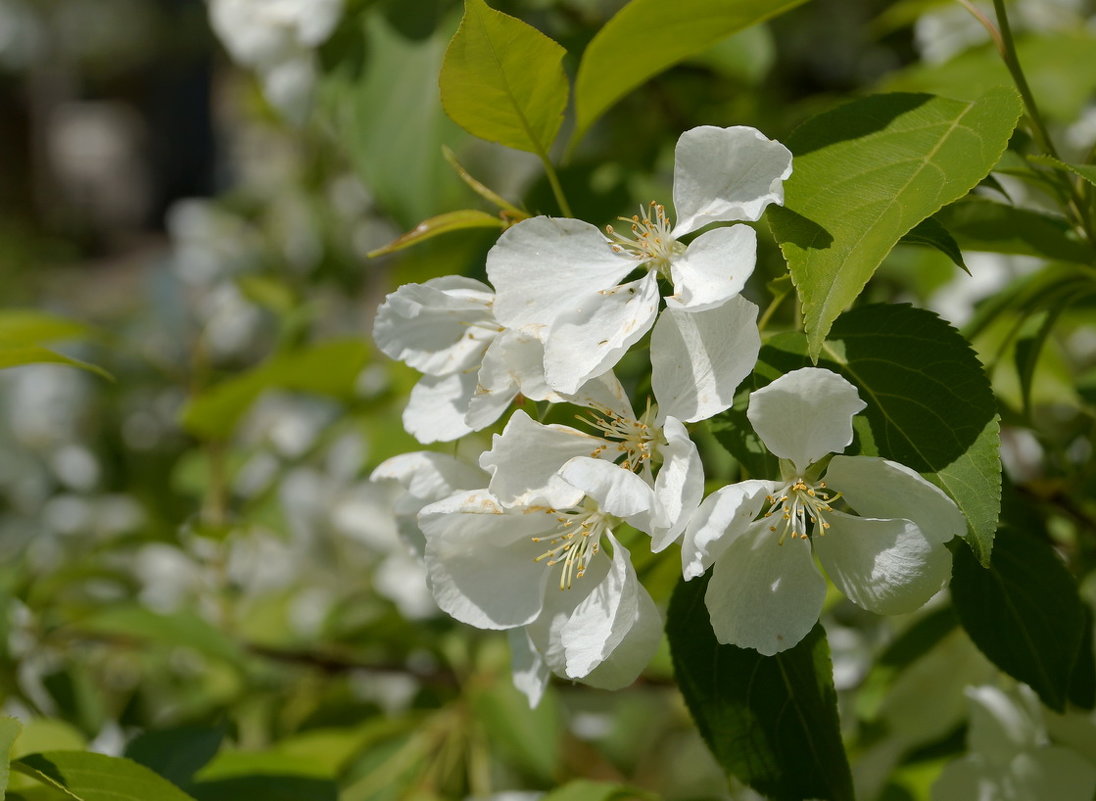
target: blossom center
635 438
573 544
650 241
800 502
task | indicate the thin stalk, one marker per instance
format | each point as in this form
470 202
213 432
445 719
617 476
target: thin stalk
771 309
557 189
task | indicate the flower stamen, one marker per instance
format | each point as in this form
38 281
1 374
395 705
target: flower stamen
650 239
576 542
801 503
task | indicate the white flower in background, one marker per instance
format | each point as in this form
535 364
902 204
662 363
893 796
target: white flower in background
560 278
1011 758
277 38
585 614
474 367
762 536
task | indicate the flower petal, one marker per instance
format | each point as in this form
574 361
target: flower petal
698 359
885 566
720 520
876 487
679 486
617 491
1002 725
438 327
437 407
543 266
764 594
528 667
634 652
606 394
805 414
723 174
713 269
480 560
596 331
526 458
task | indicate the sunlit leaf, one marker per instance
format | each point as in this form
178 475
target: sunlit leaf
24 332
9 730
865 174
503 80
86 776
648 36
442 224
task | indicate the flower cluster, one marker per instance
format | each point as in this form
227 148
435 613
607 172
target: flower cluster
535 548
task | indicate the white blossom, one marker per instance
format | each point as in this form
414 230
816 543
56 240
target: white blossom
762 536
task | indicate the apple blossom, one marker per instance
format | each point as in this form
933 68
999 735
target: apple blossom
561 278
765 592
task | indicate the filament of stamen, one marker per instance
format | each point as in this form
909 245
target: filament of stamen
801 503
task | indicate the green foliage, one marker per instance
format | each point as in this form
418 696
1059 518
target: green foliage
24 332
85 776
503 80
583 790
177 753
9 730
931 233
327 368
865 174
1025 614
648 36
770 721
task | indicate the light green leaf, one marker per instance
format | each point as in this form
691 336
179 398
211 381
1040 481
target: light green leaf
328 368
503 80
1086 171
523 736
442 224
648 36
770 721
868 172
585 790
23 332
86 776
9 730
176 629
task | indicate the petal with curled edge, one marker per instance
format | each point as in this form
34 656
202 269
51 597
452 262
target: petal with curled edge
438 327
764 594
526 458
885 566
528 667
679 485
480 559
713 269
596 332
876 487
618 491
805 414
698 359
543 266
724 515
726 174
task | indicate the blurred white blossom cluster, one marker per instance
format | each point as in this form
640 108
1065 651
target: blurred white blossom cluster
529 540
277 39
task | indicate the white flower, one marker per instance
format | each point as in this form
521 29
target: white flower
584 611
560 278
1010 756
765 592
474 367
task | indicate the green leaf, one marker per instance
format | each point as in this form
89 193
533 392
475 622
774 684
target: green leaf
585 790
1023 612
982 224
268 787
441 224
1086 171
503 80
930 232
526 737
175 629
177 753
9 730
86 776
328 368
648 36
770 721
23 332
930 406
865 174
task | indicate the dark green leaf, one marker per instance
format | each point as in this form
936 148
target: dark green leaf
868 172
503 80
1082 684
982 224
930 232
266 788
86 776
1086 171
178 753
648 36
1023 612
770 721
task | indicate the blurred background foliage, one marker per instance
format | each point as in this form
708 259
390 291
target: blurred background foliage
195 570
